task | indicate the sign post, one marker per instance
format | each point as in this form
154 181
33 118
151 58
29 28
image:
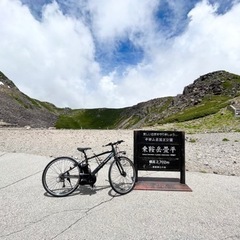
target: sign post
160 151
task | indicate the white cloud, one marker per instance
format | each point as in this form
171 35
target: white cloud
209 43
54 59
113 20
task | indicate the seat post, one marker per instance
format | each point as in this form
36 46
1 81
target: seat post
85 155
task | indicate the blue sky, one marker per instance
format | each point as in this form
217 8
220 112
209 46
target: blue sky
107 53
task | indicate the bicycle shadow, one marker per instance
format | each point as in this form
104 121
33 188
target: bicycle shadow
87 190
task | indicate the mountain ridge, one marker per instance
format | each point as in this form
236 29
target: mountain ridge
207 95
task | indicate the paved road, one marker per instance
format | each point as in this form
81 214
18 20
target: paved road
211 211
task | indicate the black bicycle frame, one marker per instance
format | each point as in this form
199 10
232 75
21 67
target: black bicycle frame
112 154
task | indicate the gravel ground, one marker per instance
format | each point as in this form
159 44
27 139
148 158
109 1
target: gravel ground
210 152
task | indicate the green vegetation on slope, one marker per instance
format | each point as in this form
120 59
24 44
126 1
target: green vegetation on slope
222 121
210 108
90 119
209 105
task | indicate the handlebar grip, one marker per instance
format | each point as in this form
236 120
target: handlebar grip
111 144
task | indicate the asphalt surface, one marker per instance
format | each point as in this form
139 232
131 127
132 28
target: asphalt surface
210 211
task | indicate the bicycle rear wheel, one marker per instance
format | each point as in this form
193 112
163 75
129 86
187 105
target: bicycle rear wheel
61 176
122 175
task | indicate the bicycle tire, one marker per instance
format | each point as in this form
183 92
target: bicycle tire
122 183
57 185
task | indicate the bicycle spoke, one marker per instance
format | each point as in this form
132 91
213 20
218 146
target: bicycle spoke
57 178
122 175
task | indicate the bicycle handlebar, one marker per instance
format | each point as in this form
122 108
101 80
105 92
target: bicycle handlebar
112 144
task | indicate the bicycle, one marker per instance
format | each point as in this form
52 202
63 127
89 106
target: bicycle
63 175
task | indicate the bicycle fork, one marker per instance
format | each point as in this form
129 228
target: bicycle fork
120 168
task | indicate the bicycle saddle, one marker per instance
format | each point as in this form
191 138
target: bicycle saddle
83 149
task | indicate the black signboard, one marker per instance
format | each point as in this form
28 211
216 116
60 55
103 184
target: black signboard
160 151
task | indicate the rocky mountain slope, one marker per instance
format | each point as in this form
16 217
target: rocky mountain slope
17 109
206 96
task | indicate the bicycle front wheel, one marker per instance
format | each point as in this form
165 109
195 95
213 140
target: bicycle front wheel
122 175
61 176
